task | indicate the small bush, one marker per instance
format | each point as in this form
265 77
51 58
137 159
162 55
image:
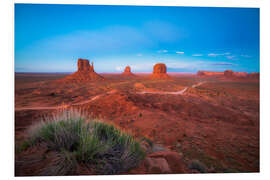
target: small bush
100 145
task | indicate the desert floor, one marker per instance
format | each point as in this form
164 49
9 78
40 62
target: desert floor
213 120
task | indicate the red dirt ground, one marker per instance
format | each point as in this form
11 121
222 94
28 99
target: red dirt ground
216 122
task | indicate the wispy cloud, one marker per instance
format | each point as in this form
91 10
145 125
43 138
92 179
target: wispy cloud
119 68
221 54
197 54
139 54
223 64
230 57
163 51
180 52
245 56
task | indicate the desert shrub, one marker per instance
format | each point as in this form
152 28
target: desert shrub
102 146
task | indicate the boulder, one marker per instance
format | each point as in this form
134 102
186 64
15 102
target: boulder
157 165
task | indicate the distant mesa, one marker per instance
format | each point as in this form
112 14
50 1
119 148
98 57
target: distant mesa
160 71
84 73
127 71
253 75
209 73
229 74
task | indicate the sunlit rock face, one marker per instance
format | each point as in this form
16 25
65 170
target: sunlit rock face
159 71
84 73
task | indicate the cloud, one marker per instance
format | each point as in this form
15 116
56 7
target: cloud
223 64
214 54
197 54
230 57
222 54
163 51
245 56
119 68
179 52
139 54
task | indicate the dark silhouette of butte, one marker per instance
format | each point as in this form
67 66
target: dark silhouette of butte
127 72
159 71
84 73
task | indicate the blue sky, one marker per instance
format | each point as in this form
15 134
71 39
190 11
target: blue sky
50 38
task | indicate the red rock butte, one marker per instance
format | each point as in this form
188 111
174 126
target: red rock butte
160 71
84 73
127 71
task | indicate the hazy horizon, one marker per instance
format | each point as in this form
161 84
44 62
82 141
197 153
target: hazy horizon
50 38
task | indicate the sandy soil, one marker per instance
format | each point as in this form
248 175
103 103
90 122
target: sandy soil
211 119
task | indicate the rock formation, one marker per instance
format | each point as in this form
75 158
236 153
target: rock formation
240 74
209 73
84 73
253 75
127 71
228 73
159 71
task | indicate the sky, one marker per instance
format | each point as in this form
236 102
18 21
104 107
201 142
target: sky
50 38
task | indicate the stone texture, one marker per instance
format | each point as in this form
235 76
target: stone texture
159 71
228 73
157 165
127 71
85 72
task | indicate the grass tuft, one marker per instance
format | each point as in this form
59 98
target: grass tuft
77 140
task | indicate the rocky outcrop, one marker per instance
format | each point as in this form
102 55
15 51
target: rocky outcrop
85 72
162 162
253 75
159 71
240 74
127 71
228 73
209 73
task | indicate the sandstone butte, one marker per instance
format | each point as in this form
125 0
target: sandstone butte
127 72
159 71
84 73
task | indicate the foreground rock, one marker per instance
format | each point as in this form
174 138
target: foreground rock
84 73
162 162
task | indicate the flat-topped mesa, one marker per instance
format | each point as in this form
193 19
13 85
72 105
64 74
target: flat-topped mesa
209 73
160 71
127 71
84 73
228 73
253 75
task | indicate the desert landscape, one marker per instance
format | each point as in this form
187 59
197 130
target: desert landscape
121 90
186 123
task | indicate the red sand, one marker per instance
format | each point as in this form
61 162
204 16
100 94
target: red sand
216 122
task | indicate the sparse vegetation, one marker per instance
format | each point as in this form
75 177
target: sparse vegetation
75 140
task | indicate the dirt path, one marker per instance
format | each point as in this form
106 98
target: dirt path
58 107
181 92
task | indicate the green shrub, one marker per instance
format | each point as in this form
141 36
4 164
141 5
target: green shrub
100 145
